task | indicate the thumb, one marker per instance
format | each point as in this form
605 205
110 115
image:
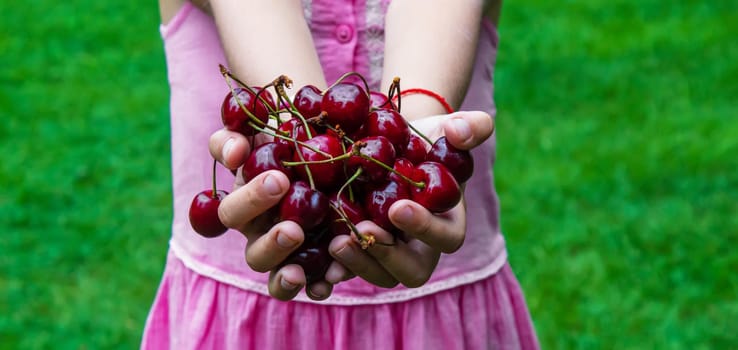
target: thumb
466 130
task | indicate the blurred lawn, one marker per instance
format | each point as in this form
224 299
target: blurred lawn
617 170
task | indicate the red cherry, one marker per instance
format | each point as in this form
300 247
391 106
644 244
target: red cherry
303 205
295 129
235 119
415 151
268 156
346 105
326 176
441 191
404 167
459 162
378 201
313 257
353 210
307 101
204 213
379 149
390 124
380 100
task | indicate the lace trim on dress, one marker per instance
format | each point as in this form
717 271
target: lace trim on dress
391 296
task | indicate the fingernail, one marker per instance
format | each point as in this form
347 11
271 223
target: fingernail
287 285
462 128
285 241
271 185
404 215
227 149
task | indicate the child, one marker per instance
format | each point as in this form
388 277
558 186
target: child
408 295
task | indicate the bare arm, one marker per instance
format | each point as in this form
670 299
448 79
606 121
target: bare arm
431 44
265 39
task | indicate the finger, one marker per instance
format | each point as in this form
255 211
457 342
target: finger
466 130
253 199
285 283
229 148
319 290
410 263
347 252
269 250
337 273
444 231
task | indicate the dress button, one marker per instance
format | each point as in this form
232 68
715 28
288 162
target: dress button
344 33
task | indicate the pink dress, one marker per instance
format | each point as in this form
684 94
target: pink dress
210 299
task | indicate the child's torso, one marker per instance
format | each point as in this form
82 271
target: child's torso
348 37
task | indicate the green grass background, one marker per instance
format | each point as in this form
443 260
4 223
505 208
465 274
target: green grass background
617 170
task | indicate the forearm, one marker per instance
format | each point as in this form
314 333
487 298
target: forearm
265 39
431 44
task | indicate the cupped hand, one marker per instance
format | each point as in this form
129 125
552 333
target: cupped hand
411 262
247 209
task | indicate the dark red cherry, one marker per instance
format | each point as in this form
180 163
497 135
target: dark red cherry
459 162
379 100
307 101
313 257
378 149
346 105
235 119
415 150
404 167
268 156
326 176
353 211
378 201
441 191
204 213
390 124
295 129
303 205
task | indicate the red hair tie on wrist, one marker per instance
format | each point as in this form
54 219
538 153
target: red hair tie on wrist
432 94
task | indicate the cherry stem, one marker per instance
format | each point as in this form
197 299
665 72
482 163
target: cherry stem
214 195
279 84
279 134
225 72
251 116
346 75
322 161
365 240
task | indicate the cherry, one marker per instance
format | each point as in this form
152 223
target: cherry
204 213
353 212
378 201
441 191
295 129
379 100
415 151
372 150
346 105
325 175
303 205
233 116
313 256
459 162
404 167
268 156
390 124
308 100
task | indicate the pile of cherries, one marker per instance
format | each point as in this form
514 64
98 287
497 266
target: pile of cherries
349 155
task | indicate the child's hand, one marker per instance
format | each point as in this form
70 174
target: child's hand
268 245
411 263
